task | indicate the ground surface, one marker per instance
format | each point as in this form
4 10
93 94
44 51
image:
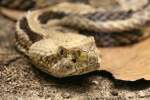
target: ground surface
19 80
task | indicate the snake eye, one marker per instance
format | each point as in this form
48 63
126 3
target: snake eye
74 60
62 52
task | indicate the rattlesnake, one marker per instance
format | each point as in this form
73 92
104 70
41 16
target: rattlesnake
58 39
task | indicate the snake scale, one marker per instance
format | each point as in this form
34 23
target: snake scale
59 39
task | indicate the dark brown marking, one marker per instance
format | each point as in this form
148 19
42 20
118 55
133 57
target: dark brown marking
34 37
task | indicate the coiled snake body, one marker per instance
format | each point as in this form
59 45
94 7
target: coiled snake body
58 39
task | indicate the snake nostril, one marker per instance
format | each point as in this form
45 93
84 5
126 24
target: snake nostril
74 60
62 52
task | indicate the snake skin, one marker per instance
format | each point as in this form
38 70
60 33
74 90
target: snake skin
56 50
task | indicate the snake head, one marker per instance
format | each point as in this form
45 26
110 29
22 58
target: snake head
63 61
76 62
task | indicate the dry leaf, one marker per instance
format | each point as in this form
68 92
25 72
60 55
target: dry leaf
128 63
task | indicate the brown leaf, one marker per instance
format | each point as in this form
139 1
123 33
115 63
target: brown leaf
128 63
